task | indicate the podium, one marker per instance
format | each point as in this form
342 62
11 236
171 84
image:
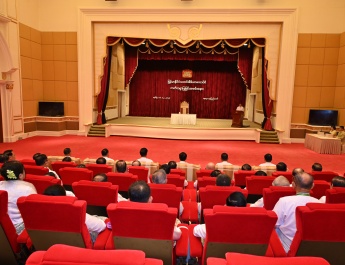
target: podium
184 107
237 119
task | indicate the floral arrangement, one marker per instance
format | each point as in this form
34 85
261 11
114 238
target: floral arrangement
10 174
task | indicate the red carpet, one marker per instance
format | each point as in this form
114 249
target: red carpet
199 152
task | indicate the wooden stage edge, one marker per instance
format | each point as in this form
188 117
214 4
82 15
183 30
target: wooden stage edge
205 131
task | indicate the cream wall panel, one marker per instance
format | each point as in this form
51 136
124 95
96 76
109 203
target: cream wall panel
12 8
13 43
16 95
3 10
17 126
28 12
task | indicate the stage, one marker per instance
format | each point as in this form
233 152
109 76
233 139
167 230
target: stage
204 129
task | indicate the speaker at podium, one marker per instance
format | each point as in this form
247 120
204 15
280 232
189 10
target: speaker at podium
237 117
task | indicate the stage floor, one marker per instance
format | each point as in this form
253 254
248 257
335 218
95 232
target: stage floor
165 122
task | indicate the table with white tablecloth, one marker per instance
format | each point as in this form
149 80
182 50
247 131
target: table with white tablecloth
189 119
322 144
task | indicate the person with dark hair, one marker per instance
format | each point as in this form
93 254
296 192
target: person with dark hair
260 173
183 157
3 158
316 167
268 161
14 175
333 131
224 157
94 224
81 166
286 206
101 177
215 173
67 152
166 168
42 160
143 156
121 166
297 170
35 155
235 199
10 154
281 166
223 180
338 182
105 155
136 163
172 164
101 161
246 167
140 192
67 159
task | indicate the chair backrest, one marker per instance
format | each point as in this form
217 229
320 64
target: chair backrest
240 177
215 195
268 169
203 173
8 235
27 161
77 256
69 175
205 181
99 168
140 171
323 175
59 158
97 195
287 174
189 169
122 180
272 195
180 172
255 184
41 182
319 232
59 164
228 169
166 193
237 229
151 166
335 195
176 179
35 170
320 187
53 220
144 226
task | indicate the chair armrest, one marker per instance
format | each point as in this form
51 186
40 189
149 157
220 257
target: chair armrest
196 247
181 248
190 212
216 261
189 195
102 239
275 247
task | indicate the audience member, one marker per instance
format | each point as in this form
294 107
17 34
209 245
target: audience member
297 170
268 161
94 224
166 168
183 157
280 181
333 131
121 166
224 157
260 173
281 166
81 166
101 161
67 152
235 199
42 160
215 173
172 164
341 134
3 158
286 206
101 177
140 192
246 167
223 180
14 175
136 163
210 166
67 159
336 182
143 153
35 155
105 154
10 154
316 167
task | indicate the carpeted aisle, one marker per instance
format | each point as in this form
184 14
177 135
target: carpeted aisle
160 150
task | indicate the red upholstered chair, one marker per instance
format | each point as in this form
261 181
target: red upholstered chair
147 227
203 173
320 232
176 179
97 195
60 164
255 185
69 175
9 248
246 259
287 174
335 195
140 171
123 180
182 172
62 254
30 162
99 168
323 175
240 177
35 170
320 187
235 229
41 182
51 220
272 194
205 181
166 193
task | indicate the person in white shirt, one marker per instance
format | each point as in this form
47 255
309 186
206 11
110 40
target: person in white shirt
183 157
14 175
336 182
240 108
42 160
143 153
268 161
285 208
224 157
105 154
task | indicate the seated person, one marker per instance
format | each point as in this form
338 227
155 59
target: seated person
136 163
101 161
67 152
281 166
139 191
14 175
67 159
235 199
246 167
333 131
268 161
143 156
260 173
121 166
224 157
336 182
94 224
316 167
42 160
105 154
165 167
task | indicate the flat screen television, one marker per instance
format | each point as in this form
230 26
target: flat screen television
51 109
323 117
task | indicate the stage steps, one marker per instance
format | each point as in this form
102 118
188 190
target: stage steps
269 137
96 131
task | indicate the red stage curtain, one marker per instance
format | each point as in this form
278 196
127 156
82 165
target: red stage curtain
131 63
245 61
267 103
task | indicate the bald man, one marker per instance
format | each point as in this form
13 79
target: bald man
285 208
